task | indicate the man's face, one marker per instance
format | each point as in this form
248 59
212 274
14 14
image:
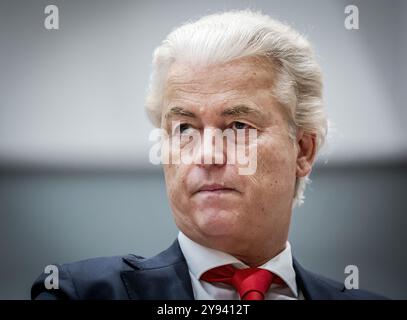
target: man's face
240 209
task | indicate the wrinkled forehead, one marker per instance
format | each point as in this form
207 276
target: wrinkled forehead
245 75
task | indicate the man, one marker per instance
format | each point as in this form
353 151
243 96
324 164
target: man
239 72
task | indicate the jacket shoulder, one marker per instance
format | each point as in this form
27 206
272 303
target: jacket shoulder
95 278
318 287
337 290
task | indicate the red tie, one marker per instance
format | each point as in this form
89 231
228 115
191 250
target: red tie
250 283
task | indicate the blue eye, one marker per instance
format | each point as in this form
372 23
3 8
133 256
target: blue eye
239 125
183 127
180 128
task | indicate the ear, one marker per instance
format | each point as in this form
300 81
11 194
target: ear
306 143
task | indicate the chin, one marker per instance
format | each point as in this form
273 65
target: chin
216 222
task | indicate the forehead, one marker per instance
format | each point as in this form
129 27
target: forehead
244 76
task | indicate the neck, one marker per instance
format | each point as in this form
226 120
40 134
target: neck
252 253
260 258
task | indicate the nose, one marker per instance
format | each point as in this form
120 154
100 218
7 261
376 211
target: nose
212 151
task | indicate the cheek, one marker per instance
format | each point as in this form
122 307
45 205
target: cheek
171 173
275 167
175 183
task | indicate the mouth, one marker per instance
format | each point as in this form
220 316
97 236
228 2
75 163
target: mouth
214 189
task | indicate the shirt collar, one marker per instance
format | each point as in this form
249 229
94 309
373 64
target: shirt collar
201 259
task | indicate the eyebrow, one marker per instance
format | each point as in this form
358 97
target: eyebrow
237 110
240 110
178 111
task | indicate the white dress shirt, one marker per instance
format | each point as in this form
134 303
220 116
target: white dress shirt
201 259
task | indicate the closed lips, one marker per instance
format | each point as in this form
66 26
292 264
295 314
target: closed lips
214 187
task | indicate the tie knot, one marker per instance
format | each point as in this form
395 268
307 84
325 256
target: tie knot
250 283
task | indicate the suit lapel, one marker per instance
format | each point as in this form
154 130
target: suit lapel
164 276
315 287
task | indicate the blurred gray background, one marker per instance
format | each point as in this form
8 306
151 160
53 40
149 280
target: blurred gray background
75 181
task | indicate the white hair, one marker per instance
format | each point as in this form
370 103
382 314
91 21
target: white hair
223 37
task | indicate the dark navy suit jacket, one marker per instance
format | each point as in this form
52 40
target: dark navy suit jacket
164 276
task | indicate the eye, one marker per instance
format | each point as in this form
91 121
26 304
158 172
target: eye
182 127
237 125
